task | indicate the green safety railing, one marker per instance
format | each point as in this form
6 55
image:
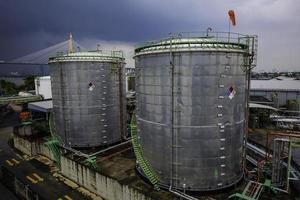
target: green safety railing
92 161
54 141
143 163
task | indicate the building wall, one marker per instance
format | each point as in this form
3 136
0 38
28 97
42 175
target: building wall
283 96
43 87
24 146
130 79
32 148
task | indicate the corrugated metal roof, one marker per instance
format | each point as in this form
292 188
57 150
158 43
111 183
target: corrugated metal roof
256 105
42 106
275 84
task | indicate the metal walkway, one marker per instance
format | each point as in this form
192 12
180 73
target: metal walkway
253 190
295 174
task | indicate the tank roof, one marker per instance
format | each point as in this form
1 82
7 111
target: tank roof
202 41
88 56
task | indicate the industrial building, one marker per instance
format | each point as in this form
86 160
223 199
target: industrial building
280 90
183 135
43 87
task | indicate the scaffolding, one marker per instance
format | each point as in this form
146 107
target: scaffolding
280 153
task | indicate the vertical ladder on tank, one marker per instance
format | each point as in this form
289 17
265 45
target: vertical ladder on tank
143 163
175 110
221 88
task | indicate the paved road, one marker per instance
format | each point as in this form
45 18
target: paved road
6 194
10 120
32 173
5 134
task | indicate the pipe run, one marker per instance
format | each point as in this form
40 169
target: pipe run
285 134
180 194
79 153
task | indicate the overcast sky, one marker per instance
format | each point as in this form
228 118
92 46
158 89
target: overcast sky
29 25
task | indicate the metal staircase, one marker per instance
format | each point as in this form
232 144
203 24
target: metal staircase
143 163
92 161
253 190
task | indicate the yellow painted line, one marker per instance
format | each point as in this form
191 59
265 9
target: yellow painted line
38 177
31 179
16 161
10 163
68 198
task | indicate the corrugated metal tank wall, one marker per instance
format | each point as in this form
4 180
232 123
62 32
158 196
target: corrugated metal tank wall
207 115
88 99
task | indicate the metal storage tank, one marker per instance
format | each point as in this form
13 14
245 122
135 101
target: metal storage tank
191 105
88 100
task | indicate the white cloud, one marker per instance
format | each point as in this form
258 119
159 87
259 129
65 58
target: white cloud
276 22
126 47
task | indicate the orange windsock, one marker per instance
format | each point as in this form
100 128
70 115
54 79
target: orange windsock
232 17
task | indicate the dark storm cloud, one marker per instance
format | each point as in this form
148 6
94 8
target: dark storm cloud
120 20
30 25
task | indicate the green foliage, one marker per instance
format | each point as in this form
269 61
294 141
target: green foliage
29 82
293 101
8 88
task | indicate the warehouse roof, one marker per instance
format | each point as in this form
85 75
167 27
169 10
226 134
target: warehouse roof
42 106
276 84
256 105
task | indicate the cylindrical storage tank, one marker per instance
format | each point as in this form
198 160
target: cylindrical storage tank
88 100
191 104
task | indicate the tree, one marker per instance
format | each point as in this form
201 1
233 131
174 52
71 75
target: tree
8 88
29 83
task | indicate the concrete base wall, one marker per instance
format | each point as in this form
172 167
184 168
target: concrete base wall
32 148
108 188
24 146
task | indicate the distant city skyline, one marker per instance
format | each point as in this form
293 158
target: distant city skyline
28 26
